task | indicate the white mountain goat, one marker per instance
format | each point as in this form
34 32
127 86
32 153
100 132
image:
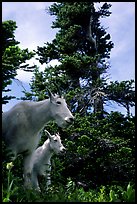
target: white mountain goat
22 123
41 159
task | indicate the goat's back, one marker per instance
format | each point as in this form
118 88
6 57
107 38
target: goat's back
16 128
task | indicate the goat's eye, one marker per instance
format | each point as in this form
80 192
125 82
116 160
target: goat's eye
55 140
58 102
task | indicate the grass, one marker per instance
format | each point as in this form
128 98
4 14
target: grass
68 193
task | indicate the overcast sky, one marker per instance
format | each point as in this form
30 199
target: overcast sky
34 29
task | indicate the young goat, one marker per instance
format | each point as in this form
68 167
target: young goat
41 159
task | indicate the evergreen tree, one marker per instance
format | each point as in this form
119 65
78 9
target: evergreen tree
81 46
122 93
13 57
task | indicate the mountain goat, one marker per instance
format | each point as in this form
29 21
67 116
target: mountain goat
41 159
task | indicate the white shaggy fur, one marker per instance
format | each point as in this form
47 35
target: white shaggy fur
41 159
21 126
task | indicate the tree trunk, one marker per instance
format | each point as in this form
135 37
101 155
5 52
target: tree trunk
128 109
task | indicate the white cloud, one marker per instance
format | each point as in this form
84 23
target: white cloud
54 62
24 76
121 26
34 24
34 28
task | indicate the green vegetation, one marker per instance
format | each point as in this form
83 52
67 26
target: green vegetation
70 193
98 166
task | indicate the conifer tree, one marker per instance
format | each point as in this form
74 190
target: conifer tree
13 57
81 46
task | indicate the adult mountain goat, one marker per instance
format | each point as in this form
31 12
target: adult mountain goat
41 159
22 123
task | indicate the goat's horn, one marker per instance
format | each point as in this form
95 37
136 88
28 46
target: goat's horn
49 135
59 91
49 92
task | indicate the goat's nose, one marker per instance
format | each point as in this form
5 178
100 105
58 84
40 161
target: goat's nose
69 119
63 150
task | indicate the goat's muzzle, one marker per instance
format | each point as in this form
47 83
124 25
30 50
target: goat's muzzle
69 120
63 150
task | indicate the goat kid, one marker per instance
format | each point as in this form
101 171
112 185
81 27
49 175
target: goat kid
22 124
41 159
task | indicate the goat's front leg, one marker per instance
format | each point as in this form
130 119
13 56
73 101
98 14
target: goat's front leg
48 180
34 181
47 175
27 171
